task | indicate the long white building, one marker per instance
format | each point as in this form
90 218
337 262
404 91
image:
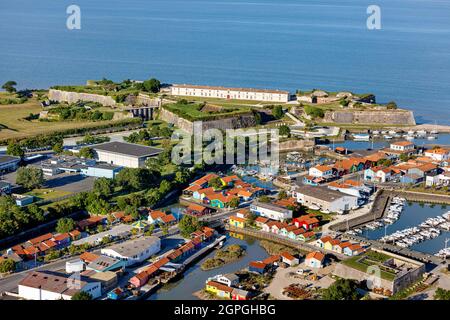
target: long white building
271 211
230 93
41 285
124 154
134 251
325 199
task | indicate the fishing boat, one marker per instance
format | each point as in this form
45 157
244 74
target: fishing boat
361 137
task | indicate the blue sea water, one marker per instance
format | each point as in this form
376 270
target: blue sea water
286 44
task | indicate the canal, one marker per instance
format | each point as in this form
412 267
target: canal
414 214
194 278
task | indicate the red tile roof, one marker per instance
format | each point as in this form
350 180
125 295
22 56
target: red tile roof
315 255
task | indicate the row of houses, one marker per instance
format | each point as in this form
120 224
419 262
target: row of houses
164 267
269 264
411 171
41 245
345 247
232 187
324 173
300 229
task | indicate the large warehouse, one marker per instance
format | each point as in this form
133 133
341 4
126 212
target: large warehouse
230 93
124 154
325 199
8 163
46 285
135 251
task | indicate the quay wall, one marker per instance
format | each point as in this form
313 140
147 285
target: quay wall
376 212
232 122
385 117
423 197
290 145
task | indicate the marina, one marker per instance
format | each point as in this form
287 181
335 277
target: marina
421 227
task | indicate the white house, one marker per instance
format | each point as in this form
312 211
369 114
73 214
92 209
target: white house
438 154
230 93
402 146
378 174
321 171
124 154
44 285
442 179
325 199
271 211
229 279
134 251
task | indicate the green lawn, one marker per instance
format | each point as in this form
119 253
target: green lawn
48 194
195 111
355 263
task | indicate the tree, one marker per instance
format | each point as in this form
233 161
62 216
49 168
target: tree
342 289
391 105
278 112
103 187
188 224
164 187
29 177
15 150
58 147
264 199
314 112
282 194
165 229
82 295
86 152
215 183
137 178
7 265
284 130
234 203
9 86
65 225
442 294
152 85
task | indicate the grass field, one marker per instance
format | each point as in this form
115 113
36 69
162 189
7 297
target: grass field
358 263
193 111
13 124
226 102
48 194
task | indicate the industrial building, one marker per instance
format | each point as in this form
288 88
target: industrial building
124 154
135 251
325 199
46 285
8 163
271 211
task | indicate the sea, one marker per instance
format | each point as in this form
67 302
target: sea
279 44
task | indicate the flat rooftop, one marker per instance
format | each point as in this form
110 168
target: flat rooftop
129 149
134 247
322 193
6 159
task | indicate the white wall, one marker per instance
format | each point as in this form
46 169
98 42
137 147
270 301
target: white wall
230 94
154 248
117 159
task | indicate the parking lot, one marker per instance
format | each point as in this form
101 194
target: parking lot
73 183
318 278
